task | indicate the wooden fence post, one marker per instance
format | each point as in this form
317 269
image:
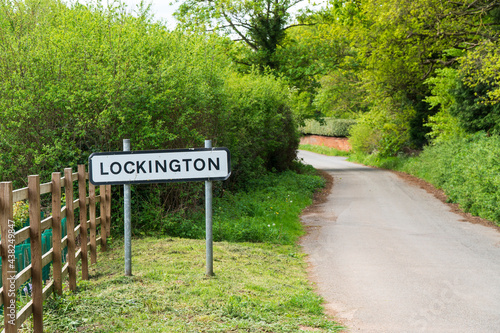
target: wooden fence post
36 252
108 209
93 227
8 258
56 232
104 223
82 198
70 226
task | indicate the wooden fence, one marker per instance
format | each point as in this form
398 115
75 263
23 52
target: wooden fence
85 233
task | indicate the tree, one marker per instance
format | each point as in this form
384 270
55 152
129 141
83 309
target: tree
260 24
401 43
480 68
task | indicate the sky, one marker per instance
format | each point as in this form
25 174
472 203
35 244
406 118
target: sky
164 9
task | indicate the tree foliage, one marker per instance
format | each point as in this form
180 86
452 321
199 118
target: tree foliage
444 126
398 45
260 24
75 79
481 68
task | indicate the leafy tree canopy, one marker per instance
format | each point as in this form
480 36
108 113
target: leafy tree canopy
481 68
259 24
398 44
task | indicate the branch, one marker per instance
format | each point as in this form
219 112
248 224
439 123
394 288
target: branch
242 62
243 37
432 62
293 3
299 25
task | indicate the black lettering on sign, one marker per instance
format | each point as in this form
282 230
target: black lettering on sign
125 167
175 167
187 160
140 166
102 170
115 168
199 164
212 163
162 167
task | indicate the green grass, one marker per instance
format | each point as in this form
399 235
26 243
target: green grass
324 150
259 286
392 162
267 211
256 288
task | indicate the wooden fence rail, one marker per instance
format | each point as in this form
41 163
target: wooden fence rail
85 233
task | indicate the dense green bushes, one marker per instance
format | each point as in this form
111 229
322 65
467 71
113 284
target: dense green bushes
79 79
328 127
259 128
468 170
76 79
384 130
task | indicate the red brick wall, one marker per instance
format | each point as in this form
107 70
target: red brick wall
337 143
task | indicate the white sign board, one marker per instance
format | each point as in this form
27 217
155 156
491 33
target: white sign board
155 166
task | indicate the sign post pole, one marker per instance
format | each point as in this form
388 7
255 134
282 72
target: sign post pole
208 221
127 220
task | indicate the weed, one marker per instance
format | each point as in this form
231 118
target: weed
324 150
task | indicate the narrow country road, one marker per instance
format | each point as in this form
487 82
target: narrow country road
390 257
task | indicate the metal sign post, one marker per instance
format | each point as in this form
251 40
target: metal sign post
208 221
127 220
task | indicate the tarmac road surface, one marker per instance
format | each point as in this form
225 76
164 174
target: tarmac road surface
388 256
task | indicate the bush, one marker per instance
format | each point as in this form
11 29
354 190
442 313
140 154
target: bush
467 170
258 127
93 76
76 79
472 112
384 130
328 127
443 126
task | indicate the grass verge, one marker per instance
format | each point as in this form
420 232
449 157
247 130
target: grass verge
257 288
324 150
267 210
393 162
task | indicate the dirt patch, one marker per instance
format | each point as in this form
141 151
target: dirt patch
439 194
320 196
307 328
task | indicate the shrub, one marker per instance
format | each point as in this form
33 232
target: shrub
93 76
467 170
443 126
384 130
76 79
471 110
258 127
328 127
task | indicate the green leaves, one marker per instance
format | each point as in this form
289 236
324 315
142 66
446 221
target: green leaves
467 170
481 68
259 25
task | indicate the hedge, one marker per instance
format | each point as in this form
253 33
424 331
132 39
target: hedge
328 127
